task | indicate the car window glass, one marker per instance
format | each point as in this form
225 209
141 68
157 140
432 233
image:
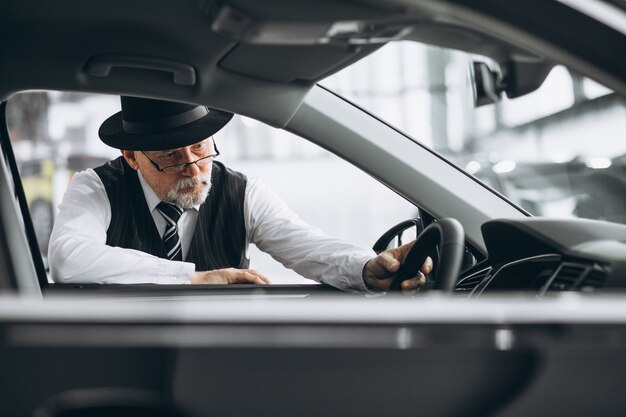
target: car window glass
55 135
558 151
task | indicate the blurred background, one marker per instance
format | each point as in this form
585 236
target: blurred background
559 151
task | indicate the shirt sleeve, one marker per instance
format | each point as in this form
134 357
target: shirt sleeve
78 252
276 230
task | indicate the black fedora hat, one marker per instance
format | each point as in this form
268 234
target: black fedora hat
154 125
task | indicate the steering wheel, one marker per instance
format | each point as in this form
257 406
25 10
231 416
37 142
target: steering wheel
448 234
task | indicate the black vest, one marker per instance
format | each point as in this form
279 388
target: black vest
219 239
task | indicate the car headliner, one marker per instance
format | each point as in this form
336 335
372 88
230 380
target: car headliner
260 58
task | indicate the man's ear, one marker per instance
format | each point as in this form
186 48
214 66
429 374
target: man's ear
130 158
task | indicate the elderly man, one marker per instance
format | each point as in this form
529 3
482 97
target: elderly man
165 212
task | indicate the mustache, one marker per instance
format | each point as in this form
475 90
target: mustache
203 178
189 199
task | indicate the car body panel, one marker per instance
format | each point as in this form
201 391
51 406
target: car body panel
436 355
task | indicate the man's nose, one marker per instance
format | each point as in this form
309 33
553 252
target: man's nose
191 169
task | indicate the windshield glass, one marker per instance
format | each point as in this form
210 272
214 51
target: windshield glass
558 152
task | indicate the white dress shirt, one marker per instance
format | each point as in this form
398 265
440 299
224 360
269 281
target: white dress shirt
78 253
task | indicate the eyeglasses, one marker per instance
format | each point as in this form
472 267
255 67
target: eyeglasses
178 168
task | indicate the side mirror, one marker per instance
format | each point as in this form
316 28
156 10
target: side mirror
486 83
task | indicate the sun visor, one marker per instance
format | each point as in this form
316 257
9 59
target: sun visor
356 30
299 41
289 63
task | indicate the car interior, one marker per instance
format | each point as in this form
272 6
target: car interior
236 350
277 53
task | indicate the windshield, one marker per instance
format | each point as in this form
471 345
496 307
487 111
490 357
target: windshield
558 152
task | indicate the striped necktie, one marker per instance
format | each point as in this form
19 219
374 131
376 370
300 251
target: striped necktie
171 240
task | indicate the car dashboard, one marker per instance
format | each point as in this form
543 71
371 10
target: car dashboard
541 255
536 256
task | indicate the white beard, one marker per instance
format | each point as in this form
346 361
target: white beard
189 200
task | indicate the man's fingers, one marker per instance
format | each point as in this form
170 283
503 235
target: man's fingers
427 266
420 279
388 263
246 276
413 283
230 276
401 251
263 278
378 272
250 278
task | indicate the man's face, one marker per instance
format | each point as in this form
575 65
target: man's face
186 188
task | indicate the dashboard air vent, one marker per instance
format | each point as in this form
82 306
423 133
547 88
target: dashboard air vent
468 283
594 279
567 276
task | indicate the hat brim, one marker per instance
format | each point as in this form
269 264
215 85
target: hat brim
111 132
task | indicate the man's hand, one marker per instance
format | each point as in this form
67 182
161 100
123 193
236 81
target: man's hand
229 276
379 272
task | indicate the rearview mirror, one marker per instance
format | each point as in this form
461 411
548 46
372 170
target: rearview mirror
486 83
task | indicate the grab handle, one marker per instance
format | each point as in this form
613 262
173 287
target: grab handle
101 66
